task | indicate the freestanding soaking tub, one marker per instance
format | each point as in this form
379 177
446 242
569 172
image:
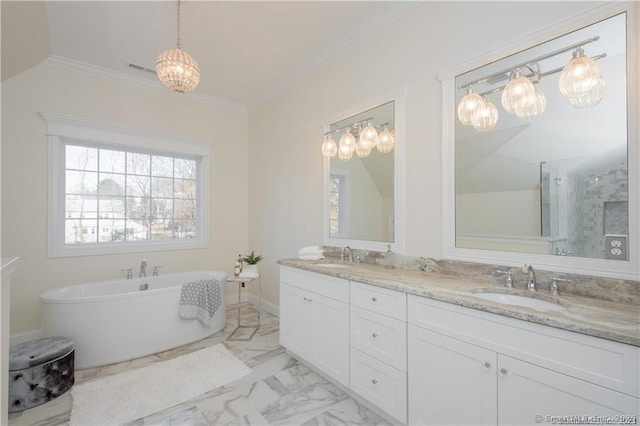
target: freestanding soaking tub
119 320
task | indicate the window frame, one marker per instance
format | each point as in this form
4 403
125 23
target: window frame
63 130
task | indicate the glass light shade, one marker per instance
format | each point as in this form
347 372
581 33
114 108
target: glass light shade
579 76
468 105
386 141
368 137
518 92
533 109
345 154
486 117
178 70
593 97
362 151
329 147
347 142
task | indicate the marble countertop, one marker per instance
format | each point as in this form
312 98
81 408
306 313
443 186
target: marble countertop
615 321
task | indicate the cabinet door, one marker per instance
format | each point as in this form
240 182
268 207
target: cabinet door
450 382
295 320
526 391
330 337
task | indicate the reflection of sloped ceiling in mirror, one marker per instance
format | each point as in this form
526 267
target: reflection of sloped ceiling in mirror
380 168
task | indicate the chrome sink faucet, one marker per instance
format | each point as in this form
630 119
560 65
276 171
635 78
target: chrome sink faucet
345 248
531 283
143 268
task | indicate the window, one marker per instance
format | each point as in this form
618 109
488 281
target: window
129 196
337 208
145 192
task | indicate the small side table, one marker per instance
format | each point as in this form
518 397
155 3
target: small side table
242 281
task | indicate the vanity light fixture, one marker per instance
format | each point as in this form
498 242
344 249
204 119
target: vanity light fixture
361 137
347 146
329 147
468 106
581 82
386 141
519 92
176 68
486 117
534 108
368 137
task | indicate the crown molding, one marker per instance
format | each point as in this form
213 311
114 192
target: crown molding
122 77
351 40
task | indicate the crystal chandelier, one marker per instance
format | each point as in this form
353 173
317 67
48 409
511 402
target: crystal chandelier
176 68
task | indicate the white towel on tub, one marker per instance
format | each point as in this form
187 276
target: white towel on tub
200 299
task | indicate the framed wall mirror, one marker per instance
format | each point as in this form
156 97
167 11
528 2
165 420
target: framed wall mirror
545 158
363 177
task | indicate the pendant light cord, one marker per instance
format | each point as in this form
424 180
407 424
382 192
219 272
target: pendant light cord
178 44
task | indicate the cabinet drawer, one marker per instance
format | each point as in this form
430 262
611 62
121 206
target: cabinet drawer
380 384
606 363
381 300
379 336
335 288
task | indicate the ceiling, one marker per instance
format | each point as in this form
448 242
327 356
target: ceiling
246 50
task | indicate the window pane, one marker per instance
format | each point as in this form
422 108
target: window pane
81 182
138 208
185 209
111 184
110 230
112 208
185 229
162 166
80 231
112 161
185 169
135 232
81 158
162 230
185 188
162 187
162 209
138 186
139 164
81 207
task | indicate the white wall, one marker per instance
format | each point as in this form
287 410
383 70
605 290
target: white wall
24 177
286 166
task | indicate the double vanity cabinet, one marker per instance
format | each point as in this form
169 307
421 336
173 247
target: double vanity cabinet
424 361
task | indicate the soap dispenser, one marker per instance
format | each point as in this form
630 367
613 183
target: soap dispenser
388 258
237 269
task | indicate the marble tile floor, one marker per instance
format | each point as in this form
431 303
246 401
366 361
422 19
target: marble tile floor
278 391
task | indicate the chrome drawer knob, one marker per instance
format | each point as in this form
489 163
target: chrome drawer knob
374 335
503 371
487 365
374 299
374 381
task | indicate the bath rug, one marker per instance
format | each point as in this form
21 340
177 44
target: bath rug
130 395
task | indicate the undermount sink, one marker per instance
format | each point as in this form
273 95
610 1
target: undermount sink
332 265
517 300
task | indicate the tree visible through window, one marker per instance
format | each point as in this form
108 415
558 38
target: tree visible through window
119 196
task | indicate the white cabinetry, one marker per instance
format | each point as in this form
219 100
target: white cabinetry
508 371
314 320
379 347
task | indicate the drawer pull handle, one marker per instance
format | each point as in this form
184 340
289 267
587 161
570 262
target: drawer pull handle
503 371
374 381
374 335
487 365
374 299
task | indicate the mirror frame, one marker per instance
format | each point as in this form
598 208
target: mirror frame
398 175
629 270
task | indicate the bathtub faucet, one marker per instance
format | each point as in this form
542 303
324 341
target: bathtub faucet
143 268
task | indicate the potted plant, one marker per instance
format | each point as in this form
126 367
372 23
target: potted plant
251 262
